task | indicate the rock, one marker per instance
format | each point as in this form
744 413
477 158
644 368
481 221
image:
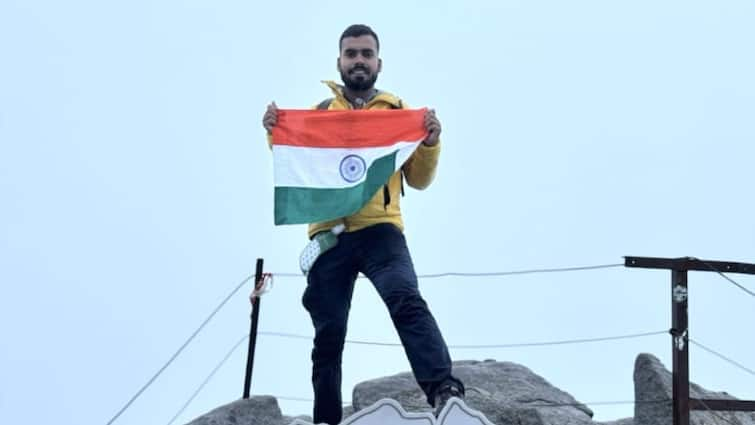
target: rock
625 421
507 393
653 384
259 410
347 411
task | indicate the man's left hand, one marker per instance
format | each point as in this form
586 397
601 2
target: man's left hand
432 125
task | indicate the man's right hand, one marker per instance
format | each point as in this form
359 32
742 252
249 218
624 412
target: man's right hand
270 118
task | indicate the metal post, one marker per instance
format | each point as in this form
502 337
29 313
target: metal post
253 331
680 347
682 403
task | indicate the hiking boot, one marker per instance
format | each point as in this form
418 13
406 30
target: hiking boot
443 395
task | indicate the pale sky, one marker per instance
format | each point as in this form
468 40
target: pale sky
136 192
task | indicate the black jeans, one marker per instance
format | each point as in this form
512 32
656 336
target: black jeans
381 254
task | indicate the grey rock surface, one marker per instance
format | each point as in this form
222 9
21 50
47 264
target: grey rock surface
625 421
507 393
258 410
652 394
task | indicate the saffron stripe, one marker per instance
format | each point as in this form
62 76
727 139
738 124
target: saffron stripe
347 129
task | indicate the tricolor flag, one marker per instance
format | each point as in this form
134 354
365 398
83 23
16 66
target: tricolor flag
329 164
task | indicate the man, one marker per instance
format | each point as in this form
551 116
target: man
373 243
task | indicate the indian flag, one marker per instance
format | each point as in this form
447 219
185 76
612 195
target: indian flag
329 164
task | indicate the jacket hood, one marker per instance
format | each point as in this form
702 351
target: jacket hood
382 96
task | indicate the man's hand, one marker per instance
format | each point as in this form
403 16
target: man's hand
432 125
270 118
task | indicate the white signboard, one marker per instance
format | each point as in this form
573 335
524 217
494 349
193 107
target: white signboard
389 412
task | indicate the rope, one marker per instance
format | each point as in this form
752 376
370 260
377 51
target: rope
526 344
500 273
720 273
210 376
589 403
721 356
165 366
263 286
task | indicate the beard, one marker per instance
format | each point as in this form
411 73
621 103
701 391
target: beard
359 82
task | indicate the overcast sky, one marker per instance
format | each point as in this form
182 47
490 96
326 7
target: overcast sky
136 192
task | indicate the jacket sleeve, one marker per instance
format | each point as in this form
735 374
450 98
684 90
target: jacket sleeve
419 169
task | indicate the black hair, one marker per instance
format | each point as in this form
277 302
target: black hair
358 30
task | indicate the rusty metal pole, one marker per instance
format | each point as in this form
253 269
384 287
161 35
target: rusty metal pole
680 347
253 331
682 403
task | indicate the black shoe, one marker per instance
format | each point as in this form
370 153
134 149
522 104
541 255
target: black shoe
443 395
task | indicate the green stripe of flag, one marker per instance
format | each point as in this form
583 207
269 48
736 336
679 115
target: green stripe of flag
298 205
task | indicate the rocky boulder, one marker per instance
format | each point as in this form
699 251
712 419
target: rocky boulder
507 393
652 394
259 410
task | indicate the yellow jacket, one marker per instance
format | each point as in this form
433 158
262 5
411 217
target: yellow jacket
419 171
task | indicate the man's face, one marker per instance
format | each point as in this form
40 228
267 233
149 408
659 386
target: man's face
358 63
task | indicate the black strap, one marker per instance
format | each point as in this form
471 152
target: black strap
386 192
325 104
